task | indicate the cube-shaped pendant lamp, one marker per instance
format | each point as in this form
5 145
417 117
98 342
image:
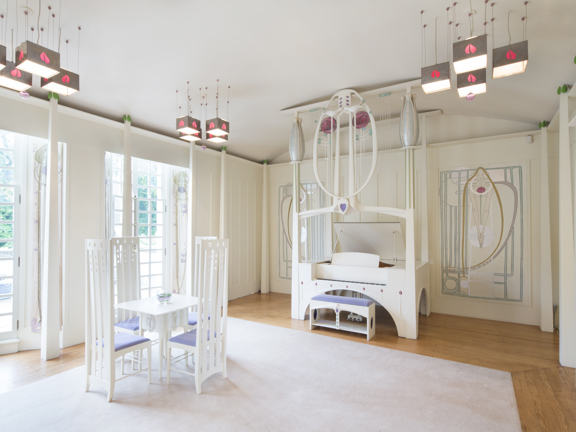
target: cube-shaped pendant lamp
190 137
510 60
37 60
436 78
471 82
188 125
217 127
64 83
470 54
216 138
15 79
2 57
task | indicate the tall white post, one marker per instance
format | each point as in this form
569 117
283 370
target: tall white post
566 234
546 302
127 222
223 182
409 296
50 337
296 239
424 199
191 220
265 272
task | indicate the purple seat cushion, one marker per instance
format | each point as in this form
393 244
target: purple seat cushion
125 340
188 338
355 301
193 318
129 324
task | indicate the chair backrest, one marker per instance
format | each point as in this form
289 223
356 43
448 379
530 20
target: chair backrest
212 270
125 257
99 307
197 252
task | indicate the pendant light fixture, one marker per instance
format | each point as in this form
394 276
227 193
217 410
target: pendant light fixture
473 82
511 59
187 124
13 78
216 138
2 47
217 127
190 137
472 53
34 58
64 82
435 78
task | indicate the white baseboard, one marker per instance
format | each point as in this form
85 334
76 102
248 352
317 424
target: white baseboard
9 346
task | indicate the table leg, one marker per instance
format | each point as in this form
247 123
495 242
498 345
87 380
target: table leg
160 352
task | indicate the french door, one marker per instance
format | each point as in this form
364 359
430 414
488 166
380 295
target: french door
9 259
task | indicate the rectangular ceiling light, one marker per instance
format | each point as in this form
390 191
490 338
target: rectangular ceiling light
15 79
64 83
37 60
2 57
436 78
470 54
191 137
217 127
510 60
216 138
188 125
471 82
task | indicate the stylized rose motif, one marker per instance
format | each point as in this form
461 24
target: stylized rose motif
44 58
471 78
470 49
510 55
435 74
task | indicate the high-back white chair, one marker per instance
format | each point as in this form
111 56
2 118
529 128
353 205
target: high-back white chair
101 353
126 259
207 342
193 316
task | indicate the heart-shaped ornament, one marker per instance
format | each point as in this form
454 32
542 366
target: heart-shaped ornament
66 79
510 55
343 207
44 58
435 74
181 124
471 78
21 56
211 126
470 49
16 73
224 126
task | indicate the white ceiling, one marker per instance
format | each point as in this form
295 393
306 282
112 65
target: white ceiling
280 54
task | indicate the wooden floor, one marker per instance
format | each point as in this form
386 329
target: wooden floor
545 391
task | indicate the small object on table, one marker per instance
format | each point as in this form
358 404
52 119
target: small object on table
164 297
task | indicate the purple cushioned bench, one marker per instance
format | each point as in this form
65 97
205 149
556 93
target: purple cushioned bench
344 300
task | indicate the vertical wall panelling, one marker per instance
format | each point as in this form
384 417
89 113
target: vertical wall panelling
127 229
547 320
191 218
222 230
566 223
265 277
50 277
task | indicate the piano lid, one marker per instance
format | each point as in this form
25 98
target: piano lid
384 239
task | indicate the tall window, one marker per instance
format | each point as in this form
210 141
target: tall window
9 203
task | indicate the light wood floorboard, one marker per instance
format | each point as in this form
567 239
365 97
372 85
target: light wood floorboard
545 391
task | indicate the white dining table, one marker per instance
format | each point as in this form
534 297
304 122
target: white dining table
161 318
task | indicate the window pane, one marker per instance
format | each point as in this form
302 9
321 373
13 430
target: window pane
7 141
6 268
156 181
6 286
6 158
117 175
6 176
7 195
143 180
118 217
5 305
145 293
116 189
155 206
144 282
142 231
5 323
155 281
6 213
155 193
156 168
143 218
117 161
158 218
118 203
142 192
117 230
156 243
156 256
156 230
156 269
144 243
144 269
154 292
6 232
144 257
143 205
6 250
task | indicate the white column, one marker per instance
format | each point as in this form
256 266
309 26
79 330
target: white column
191 220
409 294
223 182
296 242
265 272
566 232
127 222
424 199
50 339
546 306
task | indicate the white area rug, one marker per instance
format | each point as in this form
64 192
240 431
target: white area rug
280 380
